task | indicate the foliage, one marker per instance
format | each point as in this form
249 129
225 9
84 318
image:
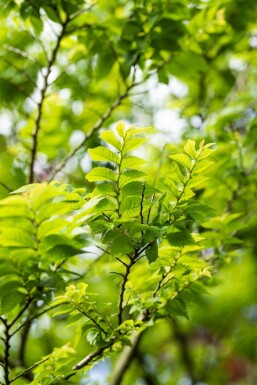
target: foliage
118 242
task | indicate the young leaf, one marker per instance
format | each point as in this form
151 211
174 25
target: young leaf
103 154
182 159
110 138
101 174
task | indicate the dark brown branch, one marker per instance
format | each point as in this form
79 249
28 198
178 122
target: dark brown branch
123 288
25 307
144 248
41 102
120 260
6 364
141 204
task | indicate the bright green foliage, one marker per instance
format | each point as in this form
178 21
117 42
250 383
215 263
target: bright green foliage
37 237
115 260
133 223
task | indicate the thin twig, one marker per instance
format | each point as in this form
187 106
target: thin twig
41 102
105 116
19 52
141 204
6 187
123 289
89 358
22 374
25 307
46 310
81 11
95 128
91 319
21 71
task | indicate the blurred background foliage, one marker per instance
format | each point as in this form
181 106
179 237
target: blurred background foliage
187 68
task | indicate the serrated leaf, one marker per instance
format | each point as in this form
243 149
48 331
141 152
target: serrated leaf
52 209
14 237
121 129
202 166
199 211
103 154
131 162
26 188
129 176
177 307
99 226
63 252
189 148
136 130
121 246
101 174
205 151
133 143
130 206
182 159
180 238
110 138
152 252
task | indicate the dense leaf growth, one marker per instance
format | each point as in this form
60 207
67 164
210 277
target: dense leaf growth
128 250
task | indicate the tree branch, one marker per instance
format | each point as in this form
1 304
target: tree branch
33 318
26 371
123 287
91 319
125 360
7 346
25 307
6 187
41 102
95 128
89 358
105 116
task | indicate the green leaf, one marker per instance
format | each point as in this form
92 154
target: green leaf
129 176
182 159
121 246
199 211
180 237
15 237
131 162
121 129
63 251
110 138
101 174
152 252
130 206
103 154
132 144
189 148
